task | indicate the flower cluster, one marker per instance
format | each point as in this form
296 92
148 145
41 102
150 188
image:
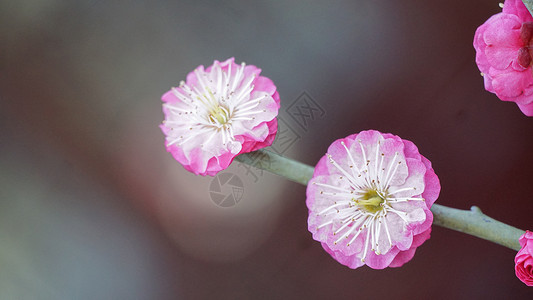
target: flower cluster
219 113
524 259
370 196
504 54
369 200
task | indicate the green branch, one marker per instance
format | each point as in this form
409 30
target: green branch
472 222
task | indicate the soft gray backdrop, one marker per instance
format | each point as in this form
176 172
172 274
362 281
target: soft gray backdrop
92 207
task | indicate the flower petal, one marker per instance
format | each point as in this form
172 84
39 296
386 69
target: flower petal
517 7
502 37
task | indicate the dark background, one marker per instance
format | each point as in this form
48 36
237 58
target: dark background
92 206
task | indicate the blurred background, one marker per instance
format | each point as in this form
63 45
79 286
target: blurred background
93 207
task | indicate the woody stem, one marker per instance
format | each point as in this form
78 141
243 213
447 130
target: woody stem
472 222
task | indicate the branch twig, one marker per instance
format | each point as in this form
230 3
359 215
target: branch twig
472 222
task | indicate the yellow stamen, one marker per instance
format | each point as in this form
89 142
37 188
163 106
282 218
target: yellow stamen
374 201
218 114
371 202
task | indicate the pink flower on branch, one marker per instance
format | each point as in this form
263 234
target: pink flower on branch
504 54
369 200
524 259
219 113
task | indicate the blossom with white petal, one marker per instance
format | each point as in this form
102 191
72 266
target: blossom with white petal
369 200
218 113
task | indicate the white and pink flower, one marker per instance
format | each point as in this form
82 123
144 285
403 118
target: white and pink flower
219 113
369 200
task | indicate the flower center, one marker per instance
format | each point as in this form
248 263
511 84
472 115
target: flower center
219 115
371 201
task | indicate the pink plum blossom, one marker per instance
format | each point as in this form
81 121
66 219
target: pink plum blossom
219 113
524 259
369 200
504 54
